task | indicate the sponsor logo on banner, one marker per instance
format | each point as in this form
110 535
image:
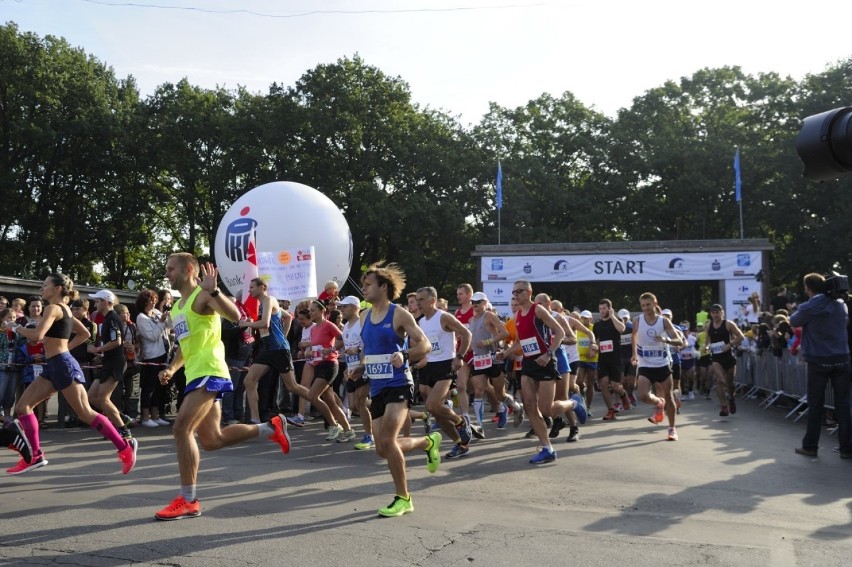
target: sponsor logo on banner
497 264
495 277
743 260
499 292
237 238
677 265
527 268
560 266
715 266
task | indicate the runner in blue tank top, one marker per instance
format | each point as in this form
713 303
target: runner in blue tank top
384 330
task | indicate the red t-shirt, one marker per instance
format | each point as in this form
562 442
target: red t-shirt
322 337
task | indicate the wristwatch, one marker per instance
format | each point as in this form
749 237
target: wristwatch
215 293
460 356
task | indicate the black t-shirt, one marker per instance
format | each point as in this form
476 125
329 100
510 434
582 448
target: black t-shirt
110 329
609 340
79 352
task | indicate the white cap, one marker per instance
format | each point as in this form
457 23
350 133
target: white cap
623 313
104 294
350 300
586 314
479 296
666 312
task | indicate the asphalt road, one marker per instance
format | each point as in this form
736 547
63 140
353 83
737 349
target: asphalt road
730 492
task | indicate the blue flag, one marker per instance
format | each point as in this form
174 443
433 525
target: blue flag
738 184
499 185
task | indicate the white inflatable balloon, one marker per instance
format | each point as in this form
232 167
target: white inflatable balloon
284 215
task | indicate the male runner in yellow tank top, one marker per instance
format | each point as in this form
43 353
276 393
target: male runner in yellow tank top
197 328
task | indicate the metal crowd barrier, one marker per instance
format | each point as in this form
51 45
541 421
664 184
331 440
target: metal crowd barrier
777 377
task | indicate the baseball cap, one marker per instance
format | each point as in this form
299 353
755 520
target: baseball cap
479 296
104 294
350 300
623 313
716 307
586 314
666 312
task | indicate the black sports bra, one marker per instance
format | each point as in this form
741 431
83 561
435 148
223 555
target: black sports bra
61 328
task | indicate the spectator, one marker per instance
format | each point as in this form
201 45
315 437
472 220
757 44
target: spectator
152 334
825 348
330 291
8 377
238 346
30 357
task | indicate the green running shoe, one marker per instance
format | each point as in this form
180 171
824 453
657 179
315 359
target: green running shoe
433 451
398 507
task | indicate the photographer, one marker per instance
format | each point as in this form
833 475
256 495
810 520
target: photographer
823 318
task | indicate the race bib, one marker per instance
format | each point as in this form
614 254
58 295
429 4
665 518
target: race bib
436 345
181 327
626 340
264 333
353 361
606 346
481 362
687 354
717 348
530 346
37 370
316 354
378 366
651 353
584 342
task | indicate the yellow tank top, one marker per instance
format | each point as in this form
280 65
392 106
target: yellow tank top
583 346
200 338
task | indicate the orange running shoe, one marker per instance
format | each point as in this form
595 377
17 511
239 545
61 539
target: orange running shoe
127 456
179 509
610 415
279 424
659 413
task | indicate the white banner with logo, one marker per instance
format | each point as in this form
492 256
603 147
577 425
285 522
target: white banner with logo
499 295
289 274
737 293
622 267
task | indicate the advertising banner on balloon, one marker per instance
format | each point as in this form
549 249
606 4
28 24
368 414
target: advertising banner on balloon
289 274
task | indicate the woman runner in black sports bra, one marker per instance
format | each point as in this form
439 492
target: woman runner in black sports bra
61 373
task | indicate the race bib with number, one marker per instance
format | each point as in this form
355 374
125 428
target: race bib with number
651 353
530 346
606 346
436 345
378 366
181 327
626 340
687 354
717 348
316 354
481 362
584 342
37 370
353 361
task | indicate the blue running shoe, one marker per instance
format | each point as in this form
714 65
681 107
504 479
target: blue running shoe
503 418
457 451
544 455
464 432
580 408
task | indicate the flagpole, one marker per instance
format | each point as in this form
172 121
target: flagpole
499 200
738 188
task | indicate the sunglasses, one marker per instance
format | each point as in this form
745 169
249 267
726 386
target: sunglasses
480 302
518 291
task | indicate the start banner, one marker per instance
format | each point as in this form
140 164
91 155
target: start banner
622 267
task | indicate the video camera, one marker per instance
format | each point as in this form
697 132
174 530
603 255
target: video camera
836 286
824 145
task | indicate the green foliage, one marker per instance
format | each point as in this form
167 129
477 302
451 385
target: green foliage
103 185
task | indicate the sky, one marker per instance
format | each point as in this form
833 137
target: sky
456 55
